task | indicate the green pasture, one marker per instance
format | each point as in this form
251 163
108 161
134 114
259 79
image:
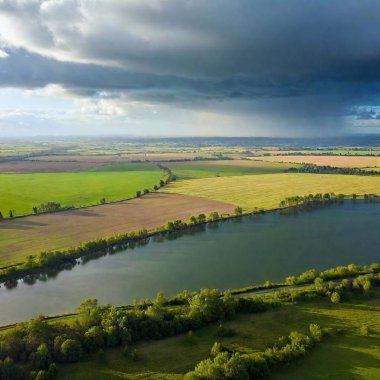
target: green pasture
347 356
20 192
207 169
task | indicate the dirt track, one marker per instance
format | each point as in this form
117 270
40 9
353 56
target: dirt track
33 234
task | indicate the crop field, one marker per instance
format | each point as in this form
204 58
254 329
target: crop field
33 234
349 356
222 168
45 166
339 161
266 191
151 156
337 152
15 151
21 192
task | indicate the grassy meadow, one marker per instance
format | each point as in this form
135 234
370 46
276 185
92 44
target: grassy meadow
20 192
266 191
209 169
347 356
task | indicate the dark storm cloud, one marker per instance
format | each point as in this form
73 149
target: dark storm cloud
298 61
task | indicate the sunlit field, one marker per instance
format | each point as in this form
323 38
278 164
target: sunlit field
21 192
339 161
266 191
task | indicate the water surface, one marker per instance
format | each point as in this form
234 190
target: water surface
231 254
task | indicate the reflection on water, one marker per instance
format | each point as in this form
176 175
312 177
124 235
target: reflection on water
228 254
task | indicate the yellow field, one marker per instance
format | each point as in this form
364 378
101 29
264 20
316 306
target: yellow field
266 191
339 161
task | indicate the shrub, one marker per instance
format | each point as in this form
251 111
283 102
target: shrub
364 330
335 297
315 332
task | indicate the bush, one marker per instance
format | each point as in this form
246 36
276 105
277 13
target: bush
335 297
315 332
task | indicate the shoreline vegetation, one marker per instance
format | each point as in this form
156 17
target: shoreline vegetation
311 277
35 265
32 350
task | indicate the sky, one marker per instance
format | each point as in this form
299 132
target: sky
189 67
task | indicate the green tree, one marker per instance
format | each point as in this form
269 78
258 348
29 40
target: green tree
94 338
138 193
201 218
42 358
43 375
318 283
238 211
71 350
213 217
86 311
367 287
160 299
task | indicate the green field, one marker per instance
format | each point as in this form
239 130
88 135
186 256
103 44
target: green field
266 191
209 169
20 192
127 167
347 356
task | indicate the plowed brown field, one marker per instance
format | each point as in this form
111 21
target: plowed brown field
33 234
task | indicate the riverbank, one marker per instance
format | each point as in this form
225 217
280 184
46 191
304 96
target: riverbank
61 259
303 281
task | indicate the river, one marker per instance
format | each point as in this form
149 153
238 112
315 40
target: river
229 254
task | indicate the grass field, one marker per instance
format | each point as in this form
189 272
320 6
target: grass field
349 356
20 192
266 191
33 234
339 161
223 168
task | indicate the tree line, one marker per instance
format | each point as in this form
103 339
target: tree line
32 350
322 199
325 169
236 364
57 259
